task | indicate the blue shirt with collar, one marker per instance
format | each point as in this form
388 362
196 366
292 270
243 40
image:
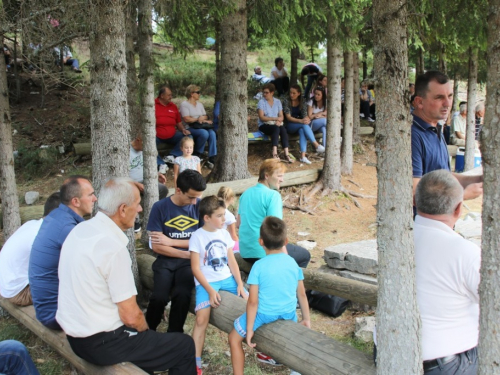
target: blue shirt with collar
428 152
44 262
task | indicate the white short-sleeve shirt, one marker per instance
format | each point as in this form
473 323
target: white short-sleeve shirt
15 257
94 275
213 248
447 278
280 73
229 219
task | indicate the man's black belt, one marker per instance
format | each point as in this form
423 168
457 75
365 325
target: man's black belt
433 363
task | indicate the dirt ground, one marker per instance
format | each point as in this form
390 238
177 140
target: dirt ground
336 219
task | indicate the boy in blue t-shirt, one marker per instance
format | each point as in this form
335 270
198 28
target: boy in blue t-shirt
214 267
275 282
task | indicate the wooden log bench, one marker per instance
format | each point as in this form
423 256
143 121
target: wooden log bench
57 340
84 148
353 290
302 349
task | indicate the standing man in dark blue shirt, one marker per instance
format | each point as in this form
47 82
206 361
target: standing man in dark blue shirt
433 101
171 222
77 200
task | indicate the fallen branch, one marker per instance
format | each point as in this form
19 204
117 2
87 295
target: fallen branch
358 195
298 208
352 182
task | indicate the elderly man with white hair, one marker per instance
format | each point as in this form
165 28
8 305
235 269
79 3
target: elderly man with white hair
447 278
97 306
458 126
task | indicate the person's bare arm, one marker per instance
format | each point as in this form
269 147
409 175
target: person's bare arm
238 221
176 173
275 74
459 135
264 118
161 178
164 245
280 118
181 128
190 119
232 231
131 315
304 305
473 185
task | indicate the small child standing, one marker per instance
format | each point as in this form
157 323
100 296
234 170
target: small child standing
187 160
275 282
227 195
214 267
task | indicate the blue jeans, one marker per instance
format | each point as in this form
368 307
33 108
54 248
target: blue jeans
201 136
319 124
176 151
15 359
73 63
305 134
310 81
464 364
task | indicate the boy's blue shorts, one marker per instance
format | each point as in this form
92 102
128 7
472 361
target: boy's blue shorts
240 324
203 298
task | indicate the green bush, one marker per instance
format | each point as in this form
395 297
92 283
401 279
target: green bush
178 73
35 162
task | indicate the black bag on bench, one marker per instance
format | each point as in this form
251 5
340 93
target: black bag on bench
201 125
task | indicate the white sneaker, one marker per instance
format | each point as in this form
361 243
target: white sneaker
169 159
362 115
305 160
320 149
163 168
293 372
370 119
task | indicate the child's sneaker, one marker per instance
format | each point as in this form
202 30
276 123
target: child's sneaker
261 357
305 160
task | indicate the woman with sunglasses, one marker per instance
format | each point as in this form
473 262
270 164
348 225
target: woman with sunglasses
270 114
196 120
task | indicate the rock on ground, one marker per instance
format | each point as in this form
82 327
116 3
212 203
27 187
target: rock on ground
31 197
364 328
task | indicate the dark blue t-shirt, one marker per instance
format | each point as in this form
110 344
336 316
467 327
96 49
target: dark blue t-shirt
176 222
44 262
428 152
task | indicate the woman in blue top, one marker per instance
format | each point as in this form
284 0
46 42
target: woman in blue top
271 120
298 122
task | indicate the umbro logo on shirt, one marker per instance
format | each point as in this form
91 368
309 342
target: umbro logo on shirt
181 223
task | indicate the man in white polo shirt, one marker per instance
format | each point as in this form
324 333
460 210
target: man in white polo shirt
97 306
447 277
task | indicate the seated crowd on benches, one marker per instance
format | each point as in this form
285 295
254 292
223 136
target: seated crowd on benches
77 273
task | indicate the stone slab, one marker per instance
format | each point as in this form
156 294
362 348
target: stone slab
370 279
361 256
470 227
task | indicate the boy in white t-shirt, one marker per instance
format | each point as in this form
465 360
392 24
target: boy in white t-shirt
214 267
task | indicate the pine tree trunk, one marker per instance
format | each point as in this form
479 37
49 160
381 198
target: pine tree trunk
294 56
330 177
8 188
398 321
443 65
131 37
217 62
108 99
145 41
489 321
365 64
456 82
470 142
347 131
420 62
356 122
232 146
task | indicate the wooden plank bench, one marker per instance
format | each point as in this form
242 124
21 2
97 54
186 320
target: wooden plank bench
57 340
